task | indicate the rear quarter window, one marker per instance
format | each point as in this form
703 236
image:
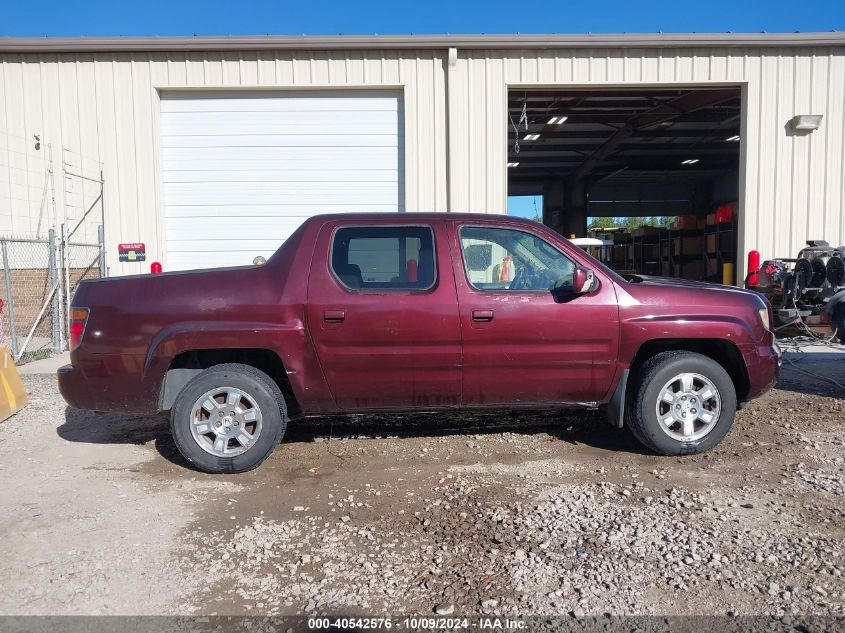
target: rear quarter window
384 257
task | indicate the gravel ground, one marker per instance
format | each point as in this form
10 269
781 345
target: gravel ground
505 514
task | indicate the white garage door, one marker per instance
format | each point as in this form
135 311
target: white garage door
241 171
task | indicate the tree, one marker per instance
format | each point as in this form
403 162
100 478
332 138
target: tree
630 223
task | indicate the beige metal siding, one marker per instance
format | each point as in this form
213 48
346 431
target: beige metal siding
792 188
105 108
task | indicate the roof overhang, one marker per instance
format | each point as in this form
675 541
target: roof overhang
387 42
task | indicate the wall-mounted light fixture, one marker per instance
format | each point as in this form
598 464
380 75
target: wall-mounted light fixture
806 122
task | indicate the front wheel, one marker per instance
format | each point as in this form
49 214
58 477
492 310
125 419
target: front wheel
228 419
681 403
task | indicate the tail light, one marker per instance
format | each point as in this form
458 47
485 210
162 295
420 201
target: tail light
78 319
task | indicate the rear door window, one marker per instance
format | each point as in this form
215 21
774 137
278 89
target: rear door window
384 257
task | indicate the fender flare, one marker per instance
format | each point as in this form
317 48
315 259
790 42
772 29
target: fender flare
188 336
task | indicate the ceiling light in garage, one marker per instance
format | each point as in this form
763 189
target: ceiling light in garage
557 120
689 161
732 138
532 137
513 164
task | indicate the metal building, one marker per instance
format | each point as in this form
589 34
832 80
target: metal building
212 150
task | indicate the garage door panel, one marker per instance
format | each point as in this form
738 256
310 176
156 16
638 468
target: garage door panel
298 211
232 228
264 102
308 194
188 260
283 165
183 123
222 244
385 157
281 140
242 127
282 175
241 172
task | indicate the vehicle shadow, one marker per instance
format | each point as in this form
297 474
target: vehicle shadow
89 427
575 427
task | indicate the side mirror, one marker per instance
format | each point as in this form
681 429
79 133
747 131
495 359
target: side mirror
583 281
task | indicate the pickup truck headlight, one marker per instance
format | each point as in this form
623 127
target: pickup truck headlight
764 318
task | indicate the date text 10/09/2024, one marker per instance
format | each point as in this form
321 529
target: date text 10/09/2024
417 623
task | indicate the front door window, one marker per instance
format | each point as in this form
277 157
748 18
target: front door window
511 260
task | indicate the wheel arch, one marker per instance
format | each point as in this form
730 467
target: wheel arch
187 364
724 352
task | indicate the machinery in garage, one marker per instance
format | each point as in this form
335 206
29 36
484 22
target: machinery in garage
635 152
807 290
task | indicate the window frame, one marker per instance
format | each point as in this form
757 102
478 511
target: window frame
425 290
475 288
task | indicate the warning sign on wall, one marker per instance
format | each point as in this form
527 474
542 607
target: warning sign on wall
131 252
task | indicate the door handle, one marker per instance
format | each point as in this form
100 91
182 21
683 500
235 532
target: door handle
482 315
334 316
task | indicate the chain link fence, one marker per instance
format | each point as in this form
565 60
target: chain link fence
38 280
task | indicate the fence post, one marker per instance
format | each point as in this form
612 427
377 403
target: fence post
10 306
53 271
65 272
101 240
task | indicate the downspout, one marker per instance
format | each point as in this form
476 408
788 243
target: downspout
451 63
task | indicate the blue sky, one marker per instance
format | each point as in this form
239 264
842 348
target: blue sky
525 206
332 17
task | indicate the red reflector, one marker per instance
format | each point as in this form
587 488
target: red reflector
78 319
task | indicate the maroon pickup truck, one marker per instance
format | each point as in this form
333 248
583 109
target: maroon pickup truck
415 312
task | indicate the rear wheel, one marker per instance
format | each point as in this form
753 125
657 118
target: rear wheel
681 403
228 419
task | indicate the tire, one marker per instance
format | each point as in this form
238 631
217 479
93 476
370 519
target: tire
684 425
228 419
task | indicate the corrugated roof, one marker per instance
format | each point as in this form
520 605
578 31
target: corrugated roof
375 42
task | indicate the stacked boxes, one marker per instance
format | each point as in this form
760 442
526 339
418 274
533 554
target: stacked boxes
693 248
724 242
690 245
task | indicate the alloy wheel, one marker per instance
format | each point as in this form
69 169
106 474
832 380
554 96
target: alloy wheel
688 407
225 421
